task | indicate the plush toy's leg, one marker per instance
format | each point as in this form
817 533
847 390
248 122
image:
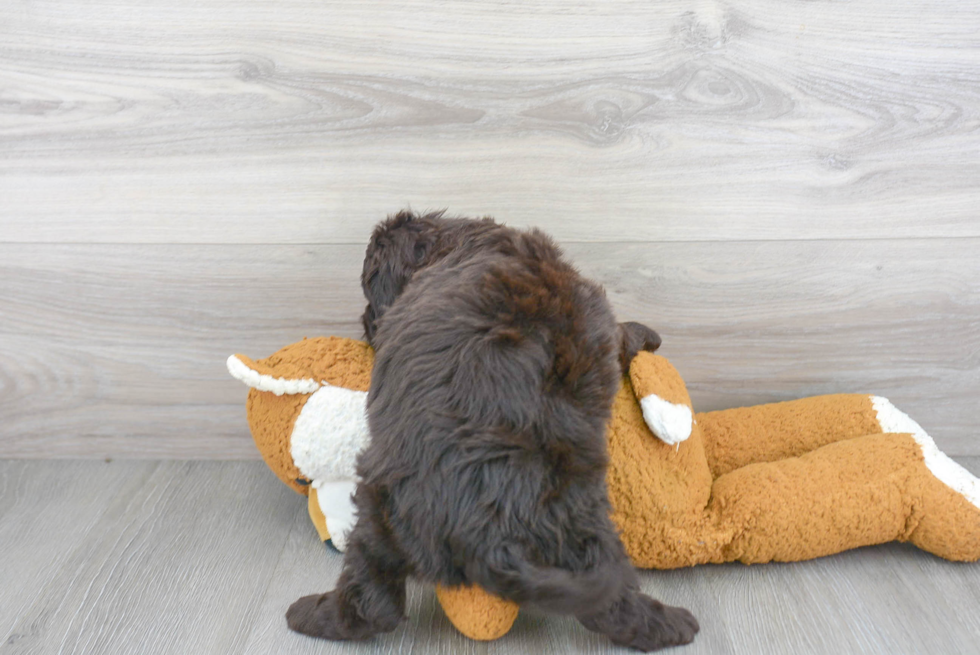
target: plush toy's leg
335 500
734 438
317 517
851 493
370 594
949 495
476 613
948 524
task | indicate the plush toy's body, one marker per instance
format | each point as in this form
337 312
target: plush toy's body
787 481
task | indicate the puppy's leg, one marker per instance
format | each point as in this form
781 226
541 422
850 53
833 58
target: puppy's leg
601 592
634 337
635 620
370 594
626 616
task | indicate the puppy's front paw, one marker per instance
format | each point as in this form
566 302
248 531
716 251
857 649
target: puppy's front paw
316 616
663 626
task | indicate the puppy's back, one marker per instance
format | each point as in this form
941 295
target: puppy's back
490 393
492 332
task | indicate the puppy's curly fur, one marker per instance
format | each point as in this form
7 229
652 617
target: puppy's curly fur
495 369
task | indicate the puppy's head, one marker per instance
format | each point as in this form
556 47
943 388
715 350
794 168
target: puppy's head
398 247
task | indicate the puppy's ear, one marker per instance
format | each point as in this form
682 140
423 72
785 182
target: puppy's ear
414 237
634 338
370 322
381 284
399 246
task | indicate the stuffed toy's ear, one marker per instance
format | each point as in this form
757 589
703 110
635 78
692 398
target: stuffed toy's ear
663 397
304 366
262 376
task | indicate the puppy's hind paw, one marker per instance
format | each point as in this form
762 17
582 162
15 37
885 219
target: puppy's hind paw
663 626
316 616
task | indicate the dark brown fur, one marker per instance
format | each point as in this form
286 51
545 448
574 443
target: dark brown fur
495 369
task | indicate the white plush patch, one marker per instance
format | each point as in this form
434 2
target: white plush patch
669 421
329 432
891 419
278 386
337 506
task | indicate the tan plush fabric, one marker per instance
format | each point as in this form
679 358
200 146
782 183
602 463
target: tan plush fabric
944 523
765 433
855 492
477 614
271 419
823 502
650 374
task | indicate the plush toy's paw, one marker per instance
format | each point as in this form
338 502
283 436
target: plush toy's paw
940 465
663 398
317 616
663 626
947 517
671 423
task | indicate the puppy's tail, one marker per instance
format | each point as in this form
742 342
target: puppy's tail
505 573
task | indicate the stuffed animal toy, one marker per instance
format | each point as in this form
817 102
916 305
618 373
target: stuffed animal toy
779 482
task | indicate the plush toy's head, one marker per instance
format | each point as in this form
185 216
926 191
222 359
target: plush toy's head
308 394
306 410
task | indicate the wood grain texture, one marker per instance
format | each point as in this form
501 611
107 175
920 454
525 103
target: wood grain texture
179 557
231 122
184 544
118 350
46 512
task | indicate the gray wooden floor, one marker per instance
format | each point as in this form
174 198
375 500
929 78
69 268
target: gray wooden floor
204 557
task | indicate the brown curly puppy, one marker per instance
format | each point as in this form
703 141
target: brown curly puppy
495 369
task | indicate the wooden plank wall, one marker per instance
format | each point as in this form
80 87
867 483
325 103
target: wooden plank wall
786 190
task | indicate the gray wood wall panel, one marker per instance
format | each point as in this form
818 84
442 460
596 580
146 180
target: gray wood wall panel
787 190
118 350
687 119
